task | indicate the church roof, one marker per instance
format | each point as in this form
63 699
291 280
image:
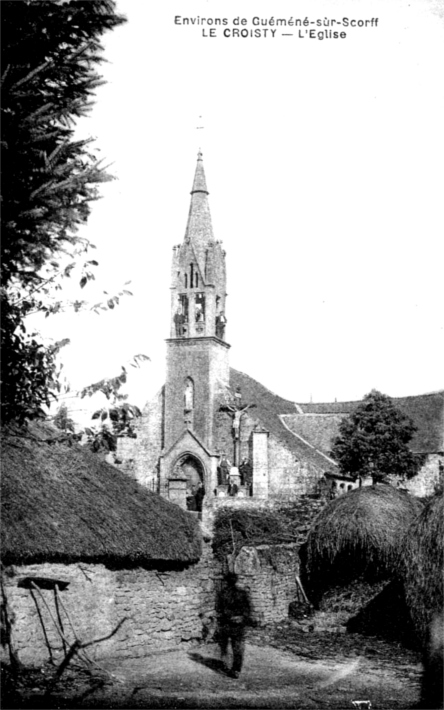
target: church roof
61 503
426 411
199 230
308 430
269 410
319 429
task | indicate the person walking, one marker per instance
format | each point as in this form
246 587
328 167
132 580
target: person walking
234 615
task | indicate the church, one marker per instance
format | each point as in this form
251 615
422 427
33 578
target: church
212 432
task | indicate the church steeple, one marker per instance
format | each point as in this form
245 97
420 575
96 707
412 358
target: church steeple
198 271
197 352
199 230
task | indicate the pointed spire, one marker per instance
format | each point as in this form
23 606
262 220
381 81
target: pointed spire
199 229
199 184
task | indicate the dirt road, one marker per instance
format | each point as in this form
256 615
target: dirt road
271 678
284 667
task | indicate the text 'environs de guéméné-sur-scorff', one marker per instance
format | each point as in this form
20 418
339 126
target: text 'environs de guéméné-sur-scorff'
271 27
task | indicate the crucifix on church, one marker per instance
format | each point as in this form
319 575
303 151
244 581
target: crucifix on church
237 410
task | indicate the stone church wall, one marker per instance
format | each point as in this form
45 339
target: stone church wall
287 476
139 457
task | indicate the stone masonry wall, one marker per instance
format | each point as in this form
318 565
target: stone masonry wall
161 608
268 573
289 477
139 457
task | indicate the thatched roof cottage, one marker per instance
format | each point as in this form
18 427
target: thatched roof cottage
86 549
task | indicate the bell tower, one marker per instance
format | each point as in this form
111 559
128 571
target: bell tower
198 278
197 351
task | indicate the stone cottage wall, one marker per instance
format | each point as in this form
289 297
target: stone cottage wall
162 608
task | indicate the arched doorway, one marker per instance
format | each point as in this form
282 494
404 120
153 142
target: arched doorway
192 469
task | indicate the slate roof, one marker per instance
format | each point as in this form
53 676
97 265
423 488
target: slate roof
309 429
427 412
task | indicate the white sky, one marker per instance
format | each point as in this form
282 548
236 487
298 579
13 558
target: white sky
324 161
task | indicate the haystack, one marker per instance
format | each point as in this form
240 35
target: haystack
422 563
357 536
61 503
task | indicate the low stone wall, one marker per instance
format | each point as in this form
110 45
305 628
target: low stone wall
161 608
268 573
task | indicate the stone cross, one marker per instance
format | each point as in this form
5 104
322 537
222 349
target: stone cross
237 412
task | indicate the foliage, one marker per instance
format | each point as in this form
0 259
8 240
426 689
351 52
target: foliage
29 371
50 52
235 528
63 421
116 419
374 440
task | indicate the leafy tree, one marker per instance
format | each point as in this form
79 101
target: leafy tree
50 54
117 418
374 440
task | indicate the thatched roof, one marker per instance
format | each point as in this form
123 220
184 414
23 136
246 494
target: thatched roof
268 411
422 565
358 535
426 411
62 503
